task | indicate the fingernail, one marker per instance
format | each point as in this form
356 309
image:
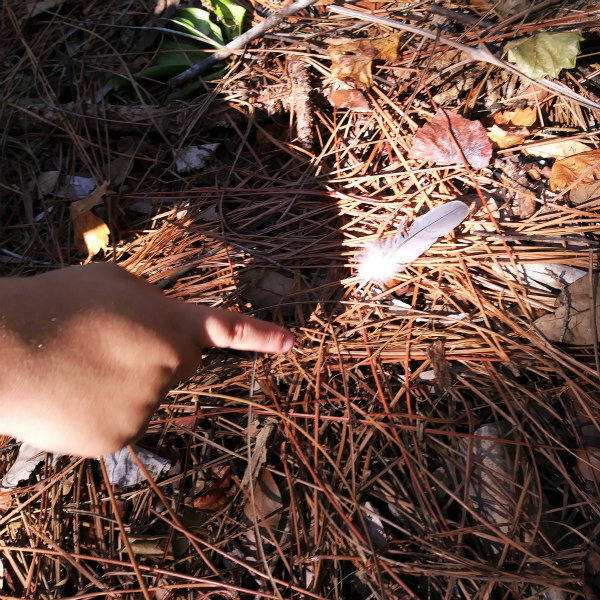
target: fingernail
287 344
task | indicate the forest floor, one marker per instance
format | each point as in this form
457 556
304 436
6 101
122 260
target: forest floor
433 434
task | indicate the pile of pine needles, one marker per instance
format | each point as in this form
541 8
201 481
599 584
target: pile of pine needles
422 439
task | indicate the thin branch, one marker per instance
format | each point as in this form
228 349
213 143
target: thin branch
239 42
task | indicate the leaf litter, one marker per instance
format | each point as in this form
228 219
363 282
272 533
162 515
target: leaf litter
424 438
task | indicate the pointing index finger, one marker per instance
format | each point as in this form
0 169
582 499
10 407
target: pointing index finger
227 329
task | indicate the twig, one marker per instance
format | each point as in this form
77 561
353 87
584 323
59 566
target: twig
239 42
436 9
481 53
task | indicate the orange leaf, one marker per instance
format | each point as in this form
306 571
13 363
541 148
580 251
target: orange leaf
353 99
520 117
567 171
215 497
91 233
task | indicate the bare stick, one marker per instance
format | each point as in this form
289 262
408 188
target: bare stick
481 53
240 41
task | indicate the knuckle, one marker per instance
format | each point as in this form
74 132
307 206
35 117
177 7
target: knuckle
238 331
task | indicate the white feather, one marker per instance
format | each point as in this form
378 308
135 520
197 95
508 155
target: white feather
382 260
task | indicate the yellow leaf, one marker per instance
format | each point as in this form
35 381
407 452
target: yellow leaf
567 171
544 54
353 61
557 149
90 232
505 139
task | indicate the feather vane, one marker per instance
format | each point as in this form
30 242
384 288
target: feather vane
382 260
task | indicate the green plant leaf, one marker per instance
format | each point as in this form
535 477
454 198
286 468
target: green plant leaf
196 22
174 56
544 54
197 34
178 53
231 16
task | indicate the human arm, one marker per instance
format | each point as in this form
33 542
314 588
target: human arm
88 353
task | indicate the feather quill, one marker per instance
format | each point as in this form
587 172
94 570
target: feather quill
382 260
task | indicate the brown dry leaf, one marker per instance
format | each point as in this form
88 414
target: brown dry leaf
217 494
90 232
441 367
503 138
353 60
534 93
583 193
591 581
267 288
588 464
507 8
519 117
557 149
571 323
437 141
567 171
497 476
524 205
149 545
35 7
353 99
259 452
267 502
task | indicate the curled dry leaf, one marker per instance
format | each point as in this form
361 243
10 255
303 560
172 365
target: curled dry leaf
519 117
441 367
217 494
583 193
353 60
353 99
572 322
588 464
545 277
504 138
591 575
499 475
259 453
437 141
557 149
91 233
149 545
534 93
266 506
524 205
507 8
36 7
267 288
569 171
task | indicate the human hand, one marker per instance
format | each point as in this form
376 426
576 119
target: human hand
88 353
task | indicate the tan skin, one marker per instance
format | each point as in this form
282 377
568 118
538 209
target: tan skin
88 353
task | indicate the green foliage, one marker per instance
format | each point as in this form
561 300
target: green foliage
178 53
544 54
197 33
231 16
